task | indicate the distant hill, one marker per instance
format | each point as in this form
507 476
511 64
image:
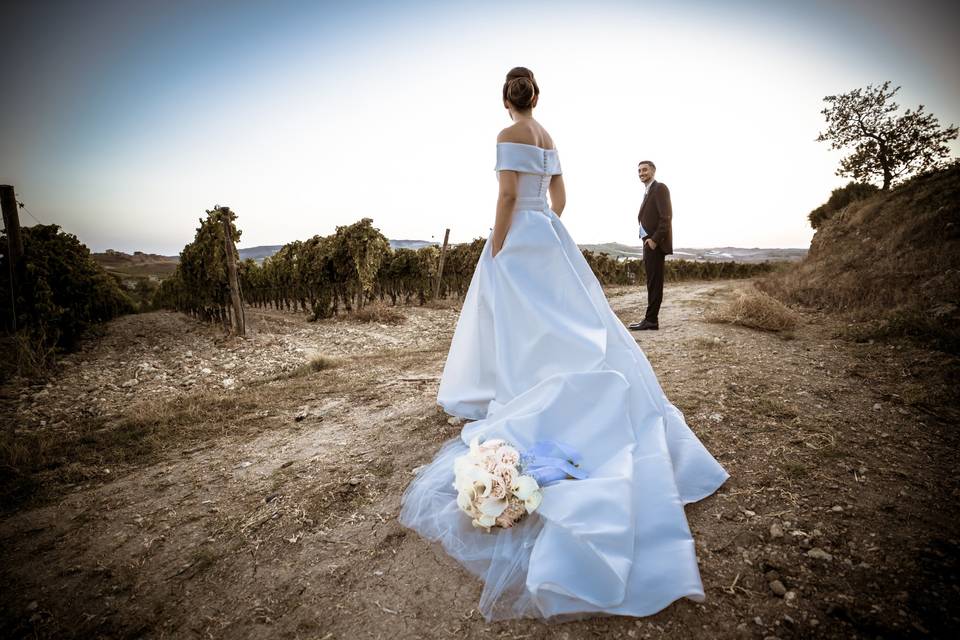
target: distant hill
717 254
259 253
411 244
148 264
137 265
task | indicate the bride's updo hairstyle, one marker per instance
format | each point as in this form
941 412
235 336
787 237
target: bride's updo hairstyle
520 89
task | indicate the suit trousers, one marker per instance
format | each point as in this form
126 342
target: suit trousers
653 260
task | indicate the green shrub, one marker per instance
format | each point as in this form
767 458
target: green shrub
839 199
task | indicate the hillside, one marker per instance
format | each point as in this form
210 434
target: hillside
891 262
709 254
139 264
144 264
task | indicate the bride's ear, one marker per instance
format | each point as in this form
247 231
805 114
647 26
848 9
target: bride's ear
533 103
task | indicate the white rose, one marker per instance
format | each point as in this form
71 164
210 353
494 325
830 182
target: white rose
533 501
523 487
465 500
491 507
493 444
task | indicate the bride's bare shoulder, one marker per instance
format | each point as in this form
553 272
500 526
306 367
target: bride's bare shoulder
523 133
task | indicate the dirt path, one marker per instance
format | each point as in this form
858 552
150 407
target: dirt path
269 508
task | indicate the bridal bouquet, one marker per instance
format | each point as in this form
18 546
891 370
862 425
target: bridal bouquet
497 485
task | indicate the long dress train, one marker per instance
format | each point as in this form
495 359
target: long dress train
538 354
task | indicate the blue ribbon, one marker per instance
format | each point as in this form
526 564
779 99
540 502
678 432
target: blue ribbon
548 461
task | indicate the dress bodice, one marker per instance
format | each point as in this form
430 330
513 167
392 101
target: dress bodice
535 165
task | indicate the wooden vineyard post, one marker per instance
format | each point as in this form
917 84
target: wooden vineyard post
238 319
11 223
443 254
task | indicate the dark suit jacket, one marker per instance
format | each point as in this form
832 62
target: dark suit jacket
656 215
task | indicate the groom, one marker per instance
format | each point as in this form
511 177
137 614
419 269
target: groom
654 218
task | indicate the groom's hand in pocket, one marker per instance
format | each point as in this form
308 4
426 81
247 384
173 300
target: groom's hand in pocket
651 243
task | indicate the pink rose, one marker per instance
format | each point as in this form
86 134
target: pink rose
505 473
507 455
489 462
499 489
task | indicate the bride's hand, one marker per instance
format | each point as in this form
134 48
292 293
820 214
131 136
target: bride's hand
506 199
496 247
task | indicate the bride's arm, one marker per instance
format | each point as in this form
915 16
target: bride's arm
558 195
506 200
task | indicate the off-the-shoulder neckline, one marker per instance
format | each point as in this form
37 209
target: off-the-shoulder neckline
524 144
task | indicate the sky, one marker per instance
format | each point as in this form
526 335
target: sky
123 122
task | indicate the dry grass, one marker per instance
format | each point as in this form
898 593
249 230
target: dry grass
444 303
316 363
378 312
707 343
757 310
95 447
889 263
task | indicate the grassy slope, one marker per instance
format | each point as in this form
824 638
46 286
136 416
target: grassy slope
891 261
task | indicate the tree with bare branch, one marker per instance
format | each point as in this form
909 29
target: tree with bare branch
886 146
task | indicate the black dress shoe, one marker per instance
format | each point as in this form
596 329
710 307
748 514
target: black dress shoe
645 325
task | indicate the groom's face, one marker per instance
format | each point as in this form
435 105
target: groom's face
646 173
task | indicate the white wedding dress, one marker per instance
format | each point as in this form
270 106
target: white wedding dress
539 355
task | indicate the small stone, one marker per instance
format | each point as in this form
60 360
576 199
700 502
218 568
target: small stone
32 606
716 417
354 481
790 596
876 406
132 382
778 589
206 371
776 531
749 513
454 421
771 575
819 554
758 621
837 509
228 382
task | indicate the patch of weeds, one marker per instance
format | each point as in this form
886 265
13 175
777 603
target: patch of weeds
795 469
379 313
774 408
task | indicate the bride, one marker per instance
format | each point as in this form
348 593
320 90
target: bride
538 355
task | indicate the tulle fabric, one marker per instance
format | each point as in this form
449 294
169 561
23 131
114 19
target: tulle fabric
539 355
500 560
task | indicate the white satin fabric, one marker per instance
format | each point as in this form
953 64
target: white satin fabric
538 354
